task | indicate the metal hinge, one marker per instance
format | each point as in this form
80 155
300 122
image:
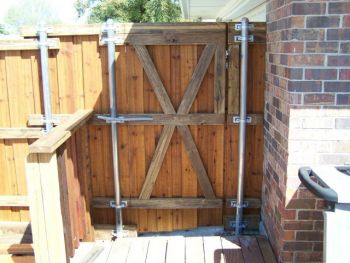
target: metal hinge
123 204
250 38
238 27
242 225
234 204
237 119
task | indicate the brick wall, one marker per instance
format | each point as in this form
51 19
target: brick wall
307 117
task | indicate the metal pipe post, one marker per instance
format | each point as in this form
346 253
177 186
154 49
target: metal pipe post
112 101
242 125
43 45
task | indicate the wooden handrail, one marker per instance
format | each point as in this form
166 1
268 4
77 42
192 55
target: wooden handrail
58 135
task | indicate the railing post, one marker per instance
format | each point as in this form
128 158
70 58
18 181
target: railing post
45 208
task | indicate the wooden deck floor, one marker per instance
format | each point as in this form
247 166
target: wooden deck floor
177 249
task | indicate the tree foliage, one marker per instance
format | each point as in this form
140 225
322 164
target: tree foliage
2 30
30 12
131 10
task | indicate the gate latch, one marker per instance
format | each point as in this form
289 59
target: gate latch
237 119
123 119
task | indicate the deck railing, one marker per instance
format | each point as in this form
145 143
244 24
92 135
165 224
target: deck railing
57 203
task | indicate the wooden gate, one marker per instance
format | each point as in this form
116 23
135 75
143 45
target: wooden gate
179 80
177 171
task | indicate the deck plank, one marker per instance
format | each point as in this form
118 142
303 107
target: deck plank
190 249
176 250
194 250
212 249
138 250
266 249
156 250
231 250
103 257
250 249
119 251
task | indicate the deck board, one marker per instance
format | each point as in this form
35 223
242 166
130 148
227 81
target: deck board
231 249
156 250
176 250
191 249
250 249
138 250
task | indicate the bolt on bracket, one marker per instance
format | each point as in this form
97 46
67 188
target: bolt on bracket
237 119
234 204
239 38
123 204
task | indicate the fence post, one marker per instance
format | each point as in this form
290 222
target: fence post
45 208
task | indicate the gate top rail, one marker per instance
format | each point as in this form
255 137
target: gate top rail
146 33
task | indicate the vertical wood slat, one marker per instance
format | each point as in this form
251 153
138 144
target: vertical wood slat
46 213
68 227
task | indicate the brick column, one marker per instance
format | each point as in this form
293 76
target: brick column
307 117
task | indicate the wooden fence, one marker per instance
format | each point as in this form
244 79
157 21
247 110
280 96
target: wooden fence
79 80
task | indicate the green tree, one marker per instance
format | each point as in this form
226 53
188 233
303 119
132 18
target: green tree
2 30
130 10
30 12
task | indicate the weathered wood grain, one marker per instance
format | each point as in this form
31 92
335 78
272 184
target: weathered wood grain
162 203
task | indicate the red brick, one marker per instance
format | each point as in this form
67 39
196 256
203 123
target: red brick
318 225
321 74
305 60
287 256
338 34
337 86
321 204
342 61
301 204
344 74
346 21
303 34
298 225
318 246
297 246
310 215
308 257
289 235
343 99
304 86
308 8
322 47
309 235
322 21
339 8
319 99
345 48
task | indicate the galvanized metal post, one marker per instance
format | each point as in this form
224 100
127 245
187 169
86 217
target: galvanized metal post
242 125
112 101
43 45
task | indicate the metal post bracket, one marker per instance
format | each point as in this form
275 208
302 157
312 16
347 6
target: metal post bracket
234 204
123 204
238 27
242 225
250 38
237 119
